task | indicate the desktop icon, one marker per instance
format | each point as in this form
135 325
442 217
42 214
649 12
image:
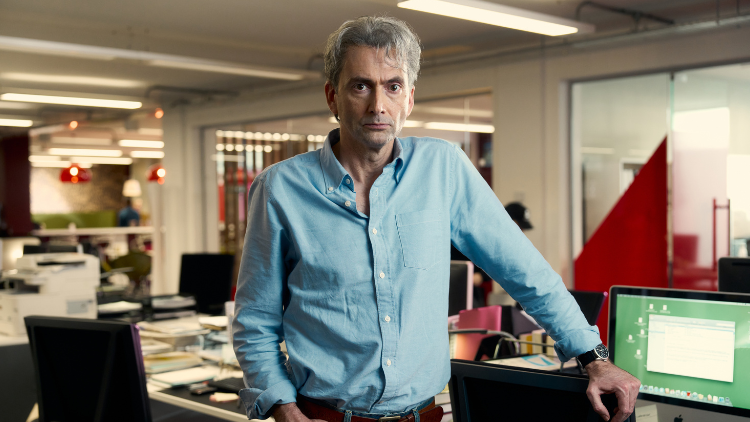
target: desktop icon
700 396
650 306
640 320
688 393
643 332
630 336
650 388
716 399
710 398
721 399
661 390
684 394
664 308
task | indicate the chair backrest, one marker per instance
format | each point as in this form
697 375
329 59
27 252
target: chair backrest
208 277
88 370
591 303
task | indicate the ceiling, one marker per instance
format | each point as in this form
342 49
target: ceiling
282 33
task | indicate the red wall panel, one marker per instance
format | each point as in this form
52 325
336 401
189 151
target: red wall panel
630 246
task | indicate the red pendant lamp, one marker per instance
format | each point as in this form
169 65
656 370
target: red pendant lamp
75 174
156 173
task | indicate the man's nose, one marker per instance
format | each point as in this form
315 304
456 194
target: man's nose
377 102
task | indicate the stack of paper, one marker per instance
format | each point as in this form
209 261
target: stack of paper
187 376
174 327
218 323
119 307
171 361
150 347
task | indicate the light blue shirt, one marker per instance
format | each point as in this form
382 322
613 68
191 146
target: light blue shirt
362 302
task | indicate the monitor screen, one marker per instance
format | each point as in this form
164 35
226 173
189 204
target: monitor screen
88 370
686 347
734 275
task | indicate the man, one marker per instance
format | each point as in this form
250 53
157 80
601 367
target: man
347 252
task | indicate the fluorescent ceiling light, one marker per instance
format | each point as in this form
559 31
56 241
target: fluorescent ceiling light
70 80
16 122
43 158
454 111
58 164
102 160
150 58
140 144
86 152
147 154
80 141
499 15
460 127
75 101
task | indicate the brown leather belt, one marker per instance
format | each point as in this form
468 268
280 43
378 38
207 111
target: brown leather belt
312 410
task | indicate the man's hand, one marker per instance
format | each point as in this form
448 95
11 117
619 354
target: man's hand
289 412
605 378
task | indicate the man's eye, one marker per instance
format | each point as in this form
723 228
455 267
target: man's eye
395 87
360 87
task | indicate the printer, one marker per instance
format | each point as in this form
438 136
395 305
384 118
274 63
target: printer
53 284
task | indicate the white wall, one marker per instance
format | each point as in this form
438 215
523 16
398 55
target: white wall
531 143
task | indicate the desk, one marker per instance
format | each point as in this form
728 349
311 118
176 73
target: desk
182 398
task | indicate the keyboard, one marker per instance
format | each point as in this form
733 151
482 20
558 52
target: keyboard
231 385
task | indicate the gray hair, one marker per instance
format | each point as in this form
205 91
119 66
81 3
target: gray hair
396 36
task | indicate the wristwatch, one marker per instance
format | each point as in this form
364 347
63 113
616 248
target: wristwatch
600 352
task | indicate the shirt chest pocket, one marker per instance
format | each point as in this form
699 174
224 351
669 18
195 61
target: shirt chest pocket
420 236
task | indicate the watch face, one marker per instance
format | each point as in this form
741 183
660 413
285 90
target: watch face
601 351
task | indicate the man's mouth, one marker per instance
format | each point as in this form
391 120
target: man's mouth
377 125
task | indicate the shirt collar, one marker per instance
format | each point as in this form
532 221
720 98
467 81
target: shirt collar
335 174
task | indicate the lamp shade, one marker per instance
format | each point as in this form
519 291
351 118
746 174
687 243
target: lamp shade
131 188
75 174
156 173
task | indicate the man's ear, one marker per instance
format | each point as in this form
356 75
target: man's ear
331 98
411 102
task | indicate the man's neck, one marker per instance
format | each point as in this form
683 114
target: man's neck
364 165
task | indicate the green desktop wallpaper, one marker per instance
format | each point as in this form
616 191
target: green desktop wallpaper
630 308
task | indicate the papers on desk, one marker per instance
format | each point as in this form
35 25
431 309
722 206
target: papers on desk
172 302
218 323
174 327
118 307
186 376
538 361
150 346
171 361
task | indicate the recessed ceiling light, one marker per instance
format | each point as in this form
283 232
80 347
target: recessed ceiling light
86 152
133 143
58 164
70 80
499 15
74 101
16 122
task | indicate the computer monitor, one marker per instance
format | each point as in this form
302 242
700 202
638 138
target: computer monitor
688 348
483 392
208 277
461 290
88 370
734 275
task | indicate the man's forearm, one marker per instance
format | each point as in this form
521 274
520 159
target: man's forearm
288 412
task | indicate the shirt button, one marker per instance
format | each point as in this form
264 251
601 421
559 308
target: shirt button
374 231
347 181
382 275
387 318
388 362
348 203
330 189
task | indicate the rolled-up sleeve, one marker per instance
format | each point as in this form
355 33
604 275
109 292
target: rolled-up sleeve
257 326
482 230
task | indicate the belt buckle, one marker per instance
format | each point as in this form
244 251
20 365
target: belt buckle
389 418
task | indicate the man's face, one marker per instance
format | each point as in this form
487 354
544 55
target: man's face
372 99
